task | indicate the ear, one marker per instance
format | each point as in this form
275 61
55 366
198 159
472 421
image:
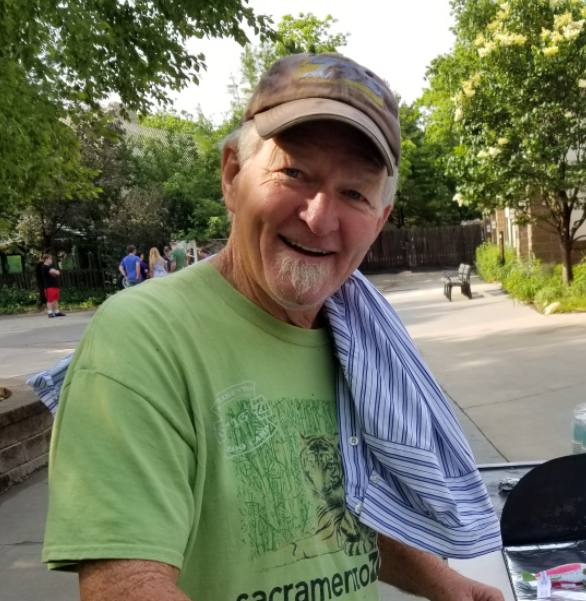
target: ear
230 169
383 218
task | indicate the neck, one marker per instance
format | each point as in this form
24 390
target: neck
230 266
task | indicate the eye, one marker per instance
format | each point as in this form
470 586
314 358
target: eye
354 195
294 173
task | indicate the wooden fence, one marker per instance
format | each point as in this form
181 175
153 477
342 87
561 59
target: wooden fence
447 245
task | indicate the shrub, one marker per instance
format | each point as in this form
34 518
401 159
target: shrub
488 262
527 280
578 285
14 300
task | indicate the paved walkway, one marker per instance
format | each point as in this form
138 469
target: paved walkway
513 376
32 343
514 373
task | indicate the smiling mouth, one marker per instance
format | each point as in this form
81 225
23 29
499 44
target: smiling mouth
306 250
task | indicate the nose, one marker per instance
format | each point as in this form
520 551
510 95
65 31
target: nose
321 214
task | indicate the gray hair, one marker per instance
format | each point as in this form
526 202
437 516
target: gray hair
247 143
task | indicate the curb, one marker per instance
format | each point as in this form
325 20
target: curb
25 434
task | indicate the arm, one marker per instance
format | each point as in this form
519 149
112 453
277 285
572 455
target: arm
122 270
150 269
54 271
128 580
426 575
173 265
138 270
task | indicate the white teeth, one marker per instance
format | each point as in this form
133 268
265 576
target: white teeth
308 248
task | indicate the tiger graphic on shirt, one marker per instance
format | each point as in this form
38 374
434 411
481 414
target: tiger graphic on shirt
321 462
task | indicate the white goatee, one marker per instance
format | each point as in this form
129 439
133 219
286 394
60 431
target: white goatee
303 276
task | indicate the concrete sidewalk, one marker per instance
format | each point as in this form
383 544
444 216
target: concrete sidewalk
514 374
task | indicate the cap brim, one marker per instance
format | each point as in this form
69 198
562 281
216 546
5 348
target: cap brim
272 122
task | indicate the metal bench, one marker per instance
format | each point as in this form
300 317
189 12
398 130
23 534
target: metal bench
461 279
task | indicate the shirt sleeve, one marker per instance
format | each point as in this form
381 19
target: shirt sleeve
123 453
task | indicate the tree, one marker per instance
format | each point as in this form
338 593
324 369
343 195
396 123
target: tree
521 117
59 60
425 192
184 165
306 33
50 221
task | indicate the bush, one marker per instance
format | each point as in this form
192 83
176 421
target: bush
14 300
527 280
488 262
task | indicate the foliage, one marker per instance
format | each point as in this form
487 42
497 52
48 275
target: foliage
52 217
182 170
14 300
527 280
59 60
424 195
304 34
521 115
488 262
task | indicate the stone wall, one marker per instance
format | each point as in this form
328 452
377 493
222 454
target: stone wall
25 434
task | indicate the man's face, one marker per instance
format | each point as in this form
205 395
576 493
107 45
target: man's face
49 261
306 209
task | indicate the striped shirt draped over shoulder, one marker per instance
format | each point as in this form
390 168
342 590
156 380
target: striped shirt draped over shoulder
410 473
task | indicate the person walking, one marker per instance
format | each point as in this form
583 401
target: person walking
178 258
130 266
51 285
157 265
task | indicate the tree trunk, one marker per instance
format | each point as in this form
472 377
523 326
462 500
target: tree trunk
566 238
567 273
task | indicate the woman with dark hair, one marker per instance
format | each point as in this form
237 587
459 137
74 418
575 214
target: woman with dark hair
144 268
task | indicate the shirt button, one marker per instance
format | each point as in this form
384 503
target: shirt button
353 441
374 479
358 508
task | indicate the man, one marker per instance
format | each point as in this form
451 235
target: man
130 266
218 474
51 284
167 257
178 257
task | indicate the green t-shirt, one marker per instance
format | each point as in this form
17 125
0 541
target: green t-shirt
179 257
203 434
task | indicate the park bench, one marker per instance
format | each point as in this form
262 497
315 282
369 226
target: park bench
461 279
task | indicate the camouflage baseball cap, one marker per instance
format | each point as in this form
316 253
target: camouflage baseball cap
308 87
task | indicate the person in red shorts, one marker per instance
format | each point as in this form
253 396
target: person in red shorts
51 283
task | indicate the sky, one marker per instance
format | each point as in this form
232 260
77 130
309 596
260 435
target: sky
397 39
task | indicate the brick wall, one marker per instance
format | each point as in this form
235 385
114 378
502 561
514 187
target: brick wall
25 433
537 239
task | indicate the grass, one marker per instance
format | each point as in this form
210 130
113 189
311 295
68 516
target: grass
529 281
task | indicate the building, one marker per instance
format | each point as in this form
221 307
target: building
538 239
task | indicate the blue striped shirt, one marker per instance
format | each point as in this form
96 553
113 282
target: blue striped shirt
409 470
